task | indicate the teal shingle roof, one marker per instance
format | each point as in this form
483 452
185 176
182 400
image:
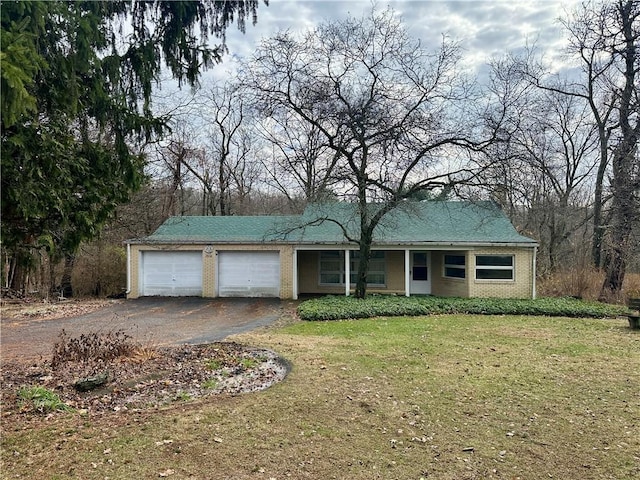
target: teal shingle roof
428 222
237 229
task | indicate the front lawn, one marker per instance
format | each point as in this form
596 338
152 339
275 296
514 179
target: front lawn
438 397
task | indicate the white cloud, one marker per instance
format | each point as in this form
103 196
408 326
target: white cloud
483 28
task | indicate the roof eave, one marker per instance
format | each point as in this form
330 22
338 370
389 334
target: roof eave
427 244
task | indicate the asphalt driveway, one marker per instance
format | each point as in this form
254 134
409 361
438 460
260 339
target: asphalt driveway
153 321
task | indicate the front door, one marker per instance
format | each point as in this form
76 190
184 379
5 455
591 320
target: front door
420 273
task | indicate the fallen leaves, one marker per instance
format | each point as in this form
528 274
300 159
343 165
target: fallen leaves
173 374
42 310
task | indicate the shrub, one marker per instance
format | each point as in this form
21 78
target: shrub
335 308
92 347
580 282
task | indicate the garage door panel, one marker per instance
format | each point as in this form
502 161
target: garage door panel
249 274
167 273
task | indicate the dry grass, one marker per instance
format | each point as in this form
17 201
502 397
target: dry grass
585 283
451 397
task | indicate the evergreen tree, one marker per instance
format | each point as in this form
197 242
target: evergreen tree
76 80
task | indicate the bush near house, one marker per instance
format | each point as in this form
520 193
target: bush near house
340 307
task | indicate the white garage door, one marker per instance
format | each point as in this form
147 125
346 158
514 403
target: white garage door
249 274
171 274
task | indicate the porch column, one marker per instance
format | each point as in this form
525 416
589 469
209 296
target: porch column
407 272
534 266
294 282
347 273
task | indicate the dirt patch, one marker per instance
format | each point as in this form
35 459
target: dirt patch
149 378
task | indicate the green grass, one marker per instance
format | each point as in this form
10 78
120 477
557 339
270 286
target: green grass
214 364
383 398
248 363
210 384
341 307
41 400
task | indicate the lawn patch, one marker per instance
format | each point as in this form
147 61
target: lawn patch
445 397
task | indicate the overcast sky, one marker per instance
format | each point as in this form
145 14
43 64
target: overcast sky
484 28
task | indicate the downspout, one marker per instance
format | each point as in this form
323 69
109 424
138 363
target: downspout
128 269
533 287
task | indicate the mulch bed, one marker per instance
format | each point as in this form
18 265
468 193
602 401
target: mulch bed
146 379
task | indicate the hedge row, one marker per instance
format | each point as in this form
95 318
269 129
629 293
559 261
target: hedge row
341 307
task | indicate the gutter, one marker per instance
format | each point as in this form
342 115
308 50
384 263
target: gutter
377 245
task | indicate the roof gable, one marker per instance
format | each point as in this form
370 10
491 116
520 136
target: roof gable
426 222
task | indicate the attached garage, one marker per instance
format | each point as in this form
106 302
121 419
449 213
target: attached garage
170 273
248 274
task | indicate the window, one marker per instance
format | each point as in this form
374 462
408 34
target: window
494 267
376 273
455 266
332 267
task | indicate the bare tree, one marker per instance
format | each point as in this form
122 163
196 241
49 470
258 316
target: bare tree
301 165
625 181
396 115
604 39
223 162
547 162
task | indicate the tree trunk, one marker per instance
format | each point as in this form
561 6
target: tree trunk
624 163
363 265
66 289
20 265
623 213
598 227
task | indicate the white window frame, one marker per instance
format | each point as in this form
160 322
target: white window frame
455 266
511 268
379 263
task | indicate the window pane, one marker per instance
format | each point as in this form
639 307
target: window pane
454 272
488 274
494 260
454 260
376 273
330 278
420 273
330 266
419 258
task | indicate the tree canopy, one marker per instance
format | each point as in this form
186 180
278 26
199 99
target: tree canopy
77 79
